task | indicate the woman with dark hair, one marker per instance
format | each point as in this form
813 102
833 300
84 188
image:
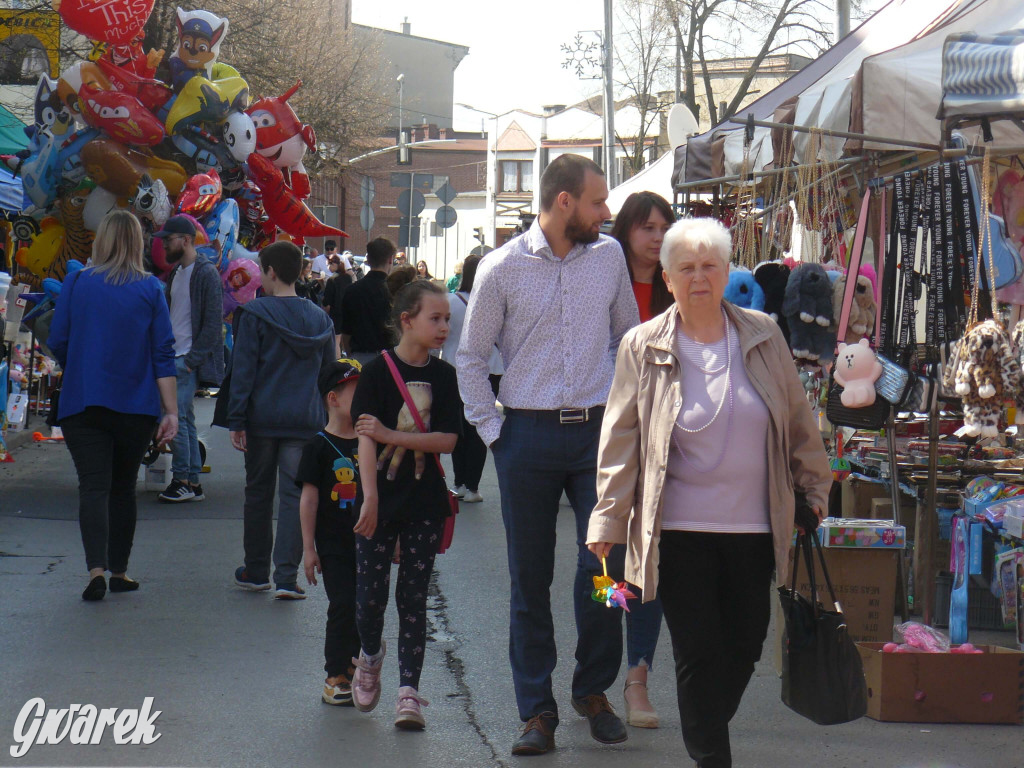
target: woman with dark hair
470 453
640 228
422 272
112 335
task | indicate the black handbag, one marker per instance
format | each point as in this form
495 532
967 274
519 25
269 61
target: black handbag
822 673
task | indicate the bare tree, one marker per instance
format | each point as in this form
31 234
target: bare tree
643 64
706 30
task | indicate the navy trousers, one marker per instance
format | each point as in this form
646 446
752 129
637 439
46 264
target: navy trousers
538 459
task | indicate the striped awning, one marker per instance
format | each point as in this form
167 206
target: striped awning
983 74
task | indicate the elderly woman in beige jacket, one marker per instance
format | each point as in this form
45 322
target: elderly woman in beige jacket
706 439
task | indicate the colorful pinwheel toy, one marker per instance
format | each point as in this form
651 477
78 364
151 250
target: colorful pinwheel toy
609 592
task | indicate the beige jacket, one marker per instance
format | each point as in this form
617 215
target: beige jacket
643 405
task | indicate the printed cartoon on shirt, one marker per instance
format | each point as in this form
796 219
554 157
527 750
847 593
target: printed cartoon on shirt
422 396
344 491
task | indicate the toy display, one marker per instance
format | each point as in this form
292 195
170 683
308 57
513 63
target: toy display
984 371
108 134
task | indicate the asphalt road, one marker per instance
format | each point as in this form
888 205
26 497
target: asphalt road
236 676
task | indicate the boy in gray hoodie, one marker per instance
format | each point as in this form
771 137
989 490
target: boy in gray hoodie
273 409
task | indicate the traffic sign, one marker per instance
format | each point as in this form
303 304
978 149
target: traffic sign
366 217
424 182
446 217
404 238
418 202
446 193
367 190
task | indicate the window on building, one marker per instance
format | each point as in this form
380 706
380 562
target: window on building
516 175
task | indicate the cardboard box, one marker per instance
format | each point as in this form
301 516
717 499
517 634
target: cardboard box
861 534
858 492
881 509
944 687
1014 526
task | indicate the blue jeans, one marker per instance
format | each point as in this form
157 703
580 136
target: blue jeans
643 625
186 463
538 458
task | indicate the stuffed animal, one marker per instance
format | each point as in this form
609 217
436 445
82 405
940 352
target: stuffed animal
856 371
863 309
772 276
985 372
1018 352
807 307
743 290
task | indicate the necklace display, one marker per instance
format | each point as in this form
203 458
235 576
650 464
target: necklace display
727 394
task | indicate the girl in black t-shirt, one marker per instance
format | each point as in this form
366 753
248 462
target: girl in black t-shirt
406 500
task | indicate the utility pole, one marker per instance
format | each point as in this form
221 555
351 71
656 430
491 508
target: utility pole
842 19
609 99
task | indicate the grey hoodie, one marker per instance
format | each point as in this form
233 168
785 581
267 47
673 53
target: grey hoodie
280 346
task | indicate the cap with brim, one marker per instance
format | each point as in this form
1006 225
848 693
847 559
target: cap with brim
336 373
177 225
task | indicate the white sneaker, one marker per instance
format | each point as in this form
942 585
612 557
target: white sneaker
472 497
408 716
459 491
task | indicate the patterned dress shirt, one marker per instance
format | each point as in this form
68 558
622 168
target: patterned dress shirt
557 322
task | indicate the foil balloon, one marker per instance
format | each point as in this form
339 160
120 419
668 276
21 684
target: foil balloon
119 169
158 255
200 194
100 203
117 22
130 57
37 256
77 243
283 139
120 116
241 280
151 202
282 206
239 133
200 34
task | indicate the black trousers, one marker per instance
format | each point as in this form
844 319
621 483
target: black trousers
338 569
470 454
715 590
107 448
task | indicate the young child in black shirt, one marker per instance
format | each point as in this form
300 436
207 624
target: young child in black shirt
329 477
406 499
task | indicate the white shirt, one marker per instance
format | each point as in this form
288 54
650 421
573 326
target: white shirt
557 322
181 311
320 264
457 303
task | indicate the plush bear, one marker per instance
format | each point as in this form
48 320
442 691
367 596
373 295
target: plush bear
743 290
807 307
863 309
985 372
856 371
772 276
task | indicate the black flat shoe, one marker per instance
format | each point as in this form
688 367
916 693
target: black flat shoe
605 725
120 584
96 590
538 736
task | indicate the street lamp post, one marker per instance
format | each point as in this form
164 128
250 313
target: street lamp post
492 171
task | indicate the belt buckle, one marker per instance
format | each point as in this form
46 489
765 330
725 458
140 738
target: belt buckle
573 415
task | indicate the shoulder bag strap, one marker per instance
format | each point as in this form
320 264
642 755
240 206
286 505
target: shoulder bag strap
461 298
854 266
404 390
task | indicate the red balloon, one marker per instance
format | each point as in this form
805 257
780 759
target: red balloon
111 21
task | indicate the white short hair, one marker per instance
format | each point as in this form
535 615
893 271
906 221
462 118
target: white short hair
696 235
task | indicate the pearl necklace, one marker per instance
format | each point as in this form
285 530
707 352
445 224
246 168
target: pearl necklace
727 391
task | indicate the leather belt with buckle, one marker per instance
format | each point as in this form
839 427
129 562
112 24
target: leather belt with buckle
574 415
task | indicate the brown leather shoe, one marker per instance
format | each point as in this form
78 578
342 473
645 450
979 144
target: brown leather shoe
538 735
605 725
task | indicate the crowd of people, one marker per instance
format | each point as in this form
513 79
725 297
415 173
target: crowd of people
607 369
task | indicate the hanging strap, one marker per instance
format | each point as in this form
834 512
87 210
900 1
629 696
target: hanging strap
328 441
984 244
880 249
413 410
854 266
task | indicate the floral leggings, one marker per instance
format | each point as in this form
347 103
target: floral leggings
419 541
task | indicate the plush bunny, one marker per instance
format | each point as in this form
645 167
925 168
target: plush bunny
743 290
856 371
772 276
863 308
985 371
807 307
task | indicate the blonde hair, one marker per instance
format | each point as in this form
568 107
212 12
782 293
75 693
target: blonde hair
696 235
117 249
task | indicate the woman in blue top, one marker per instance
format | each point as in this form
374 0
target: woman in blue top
111 333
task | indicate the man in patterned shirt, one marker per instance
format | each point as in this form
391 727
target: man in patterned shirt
557 301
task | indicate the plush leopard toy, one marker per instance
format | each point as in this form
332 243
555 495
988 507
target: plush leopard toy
986 372
1018 353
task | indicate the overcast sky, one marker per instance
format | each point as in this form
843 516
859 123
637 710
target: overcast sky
515 59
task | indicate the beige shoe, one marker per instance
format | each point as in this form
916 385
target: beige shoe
639 718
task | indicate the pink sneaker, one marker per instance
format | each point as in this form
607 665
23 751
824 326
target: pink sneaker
408 716
366 680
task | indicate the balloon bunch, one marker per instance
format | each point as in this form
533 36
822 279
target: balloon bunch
109 134
610 592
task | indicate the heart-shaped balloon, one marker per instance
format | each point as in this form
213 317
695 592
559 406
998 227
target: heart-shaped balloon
111 21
